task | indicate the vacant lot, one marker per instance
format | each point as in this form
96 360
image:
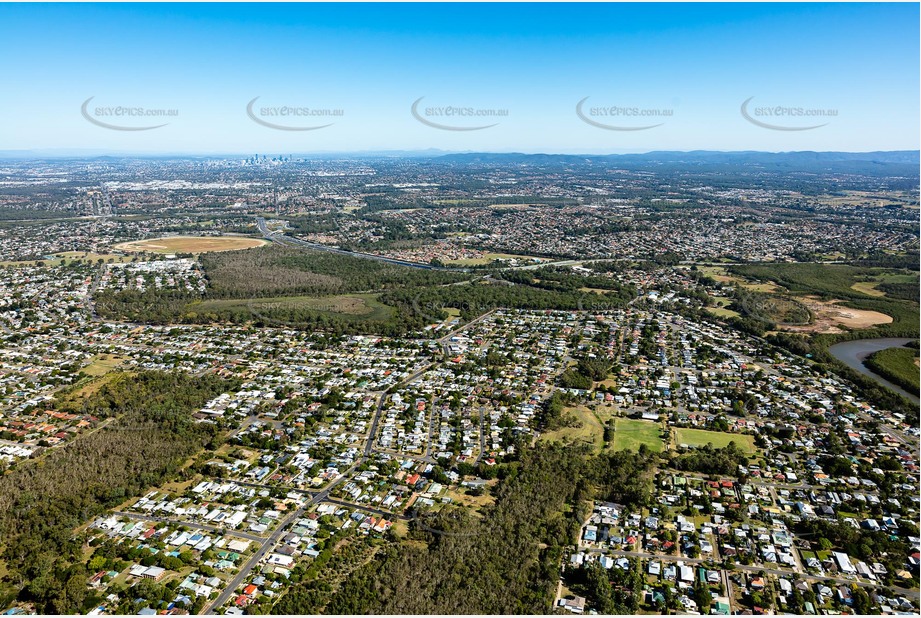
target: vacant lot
718 273
722 312
870 288
630 434
191 244
364 306
102 364
702 437
90 385
722 309
588 429
830 315
463 498
73 257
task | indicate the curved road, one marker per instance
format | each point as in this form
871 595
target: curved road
284 239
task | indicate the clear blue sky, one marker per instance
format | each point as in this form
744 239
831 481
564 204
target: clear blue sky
372 61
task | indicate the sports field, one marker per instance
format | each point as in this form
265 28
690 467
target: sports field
630 434
191 244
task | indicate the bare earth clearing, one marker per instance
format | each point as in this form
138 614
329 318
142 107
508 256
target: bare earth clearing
191 244
829 315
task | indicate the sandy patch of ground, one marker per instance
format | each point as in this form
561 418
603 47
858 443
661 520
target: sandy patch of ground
829 316
191 244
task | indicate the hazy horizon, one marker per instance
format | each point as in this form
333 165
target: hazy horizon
432 152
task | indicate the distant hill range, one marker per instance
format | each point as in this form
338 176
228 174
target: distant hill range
895 162
899 163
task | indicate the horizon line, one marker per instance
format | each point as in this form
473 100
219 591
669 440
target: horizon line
52 153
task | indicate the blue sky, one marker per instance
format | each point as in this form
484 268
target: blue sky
693 65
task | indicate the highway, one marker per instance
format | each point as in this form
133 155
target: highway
283 239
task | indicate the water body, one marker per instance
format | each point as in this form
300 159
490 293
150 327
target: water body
853 353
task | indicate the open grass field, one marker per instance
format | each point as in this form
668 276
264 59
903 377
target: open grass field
99 371
870 288
590 430
599 291
191 244
722 309
452 313
721 274
475 503
102 364
364 306
630 434
73 257
718 273
702 437
90 385
722 312
761 287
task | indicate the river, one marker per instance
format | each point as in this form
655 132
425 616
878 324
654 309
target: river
853 353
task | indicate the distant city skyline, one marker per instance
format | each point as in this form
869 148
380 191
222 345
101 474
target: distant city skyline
279 79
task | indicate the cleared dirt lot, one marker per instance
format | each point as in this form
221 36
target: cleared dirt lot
191 244
829 316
